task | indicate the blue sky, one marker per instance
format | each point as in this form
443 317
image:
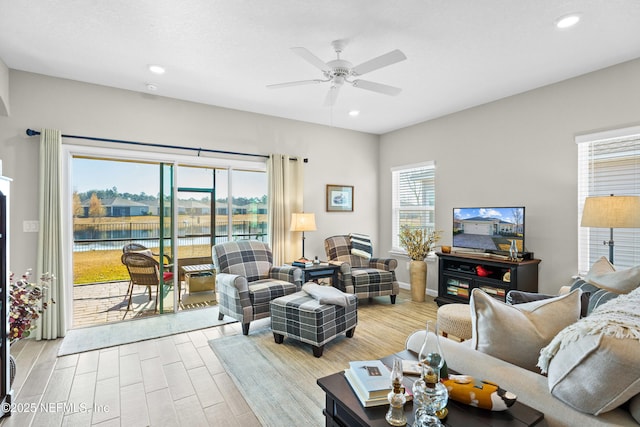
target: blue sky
135 178
506 214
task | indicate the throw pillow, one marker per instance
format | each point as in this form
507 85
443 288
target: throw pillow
593 364
518 297
622 281
601 266
604 275
516 333
326 294
361 245
595 296
634 407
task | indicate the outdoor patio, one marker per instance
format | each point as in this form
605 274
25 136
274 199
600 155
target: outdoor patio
100 303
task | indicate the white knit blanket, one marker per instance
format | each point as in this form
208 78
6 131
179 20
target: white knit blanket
619 318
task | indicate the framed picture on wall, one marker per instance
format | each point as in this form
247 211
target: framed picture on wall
339 198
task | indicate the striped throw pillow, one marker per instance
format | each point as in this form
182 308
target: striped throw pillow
361 245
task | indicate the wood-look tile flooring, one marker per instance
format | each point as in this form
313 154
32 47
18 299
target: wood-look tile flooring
170 381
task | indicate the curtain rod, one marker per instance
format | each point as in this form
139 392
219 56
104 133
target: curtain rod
32 132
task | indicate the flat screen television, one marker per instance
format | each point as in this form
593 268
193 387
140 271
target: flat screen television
488 229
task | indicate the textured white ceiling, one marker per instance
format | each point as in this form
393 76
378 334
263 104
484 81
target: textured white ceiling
461 53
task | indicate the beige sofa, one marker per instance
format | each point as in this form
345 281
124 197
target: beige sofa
598 368
532 389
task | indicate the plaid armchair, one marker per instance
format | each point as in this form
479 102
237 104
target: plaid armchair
247 281
365 277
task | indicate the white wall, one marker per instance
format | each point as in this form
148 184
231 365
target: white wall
517 151
336 156
4 89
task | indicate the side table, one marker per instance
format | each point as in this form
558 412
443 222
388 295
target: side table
319 271
200 277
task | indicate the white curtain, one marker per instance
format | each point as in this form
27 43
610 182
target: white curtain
50 248
286 184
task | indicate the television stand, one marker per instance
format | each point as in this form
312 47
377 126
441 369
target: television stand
460 273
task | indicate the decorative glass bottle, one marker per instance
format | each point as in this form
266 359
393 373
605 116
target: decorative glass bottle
395 416
432 399
430 396
513 251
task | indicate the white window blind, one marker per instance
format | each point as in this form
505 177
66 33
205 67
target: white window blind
608 163
413 198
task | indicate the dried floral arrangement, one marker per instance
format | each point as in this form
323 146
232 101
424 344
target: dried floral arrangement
26 304
418 242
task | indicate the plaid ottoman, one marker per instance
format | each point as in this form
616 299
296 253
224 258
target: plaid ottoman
302 317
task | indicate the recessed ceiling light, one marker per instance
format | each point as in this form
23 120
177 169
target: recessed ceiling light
156 69
354 113
567 21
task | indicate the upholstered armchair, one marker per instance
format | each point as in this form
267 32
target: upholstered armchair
247 281
359 274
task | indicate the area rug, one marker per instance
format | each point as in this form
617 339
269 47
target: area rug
278 381
118 333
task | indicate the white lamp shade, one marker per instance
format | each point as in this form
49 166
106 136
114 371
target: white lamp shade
611 212
303 222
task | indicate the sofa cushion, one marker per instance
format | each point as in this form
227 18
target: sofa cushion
604 275
518 297
593 364
516 333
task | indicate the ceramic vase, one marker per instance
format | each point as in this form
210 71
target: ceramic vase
418 272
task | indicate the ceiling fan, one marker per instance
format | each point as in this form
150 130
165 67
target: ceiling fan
340 71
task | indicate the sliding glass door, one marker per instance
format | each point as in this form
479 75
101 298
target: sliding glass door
177 209
169 280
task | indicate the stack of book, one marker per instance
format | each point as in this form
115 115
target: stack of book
302 262
370 380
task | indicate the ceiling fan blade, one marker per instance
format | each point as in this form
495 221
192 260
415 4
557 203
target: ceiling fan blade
298 83
311 58
377 87
379 62
332 95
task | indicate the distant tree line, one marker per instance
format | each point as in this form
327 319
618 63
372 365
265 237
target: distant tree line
95 197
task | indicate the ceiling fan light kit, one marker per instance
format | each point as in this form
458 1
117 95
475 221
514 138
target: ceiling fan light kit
340 71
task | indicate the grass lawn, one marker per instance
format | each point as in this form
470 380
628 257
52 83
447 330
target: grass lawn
99 266
105 266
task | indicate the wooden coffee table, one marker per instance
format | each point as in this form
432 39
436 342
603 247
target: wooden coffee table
342 407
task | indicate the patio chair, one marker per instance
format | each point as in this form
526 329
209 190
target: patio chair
359 273
145 271
136 247
247 281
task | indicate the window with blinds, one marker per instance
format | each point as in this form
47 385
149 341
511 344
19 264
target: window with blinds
608 163
413 193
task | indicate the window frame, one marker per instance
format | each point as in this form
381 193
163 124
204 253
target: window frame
428 208
610 178
69 151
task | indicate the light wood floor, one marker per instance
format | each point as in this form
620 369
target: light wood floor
171 381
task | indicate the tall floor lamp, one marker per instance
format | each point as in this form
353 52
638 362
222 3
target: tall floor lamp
303 222
611 212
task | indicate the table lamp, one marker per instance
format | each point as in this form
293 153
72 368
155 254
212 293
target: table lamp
611 212
303 222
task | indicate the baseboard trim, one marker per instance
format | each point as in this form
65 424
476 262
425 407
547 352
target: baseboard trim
407 286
